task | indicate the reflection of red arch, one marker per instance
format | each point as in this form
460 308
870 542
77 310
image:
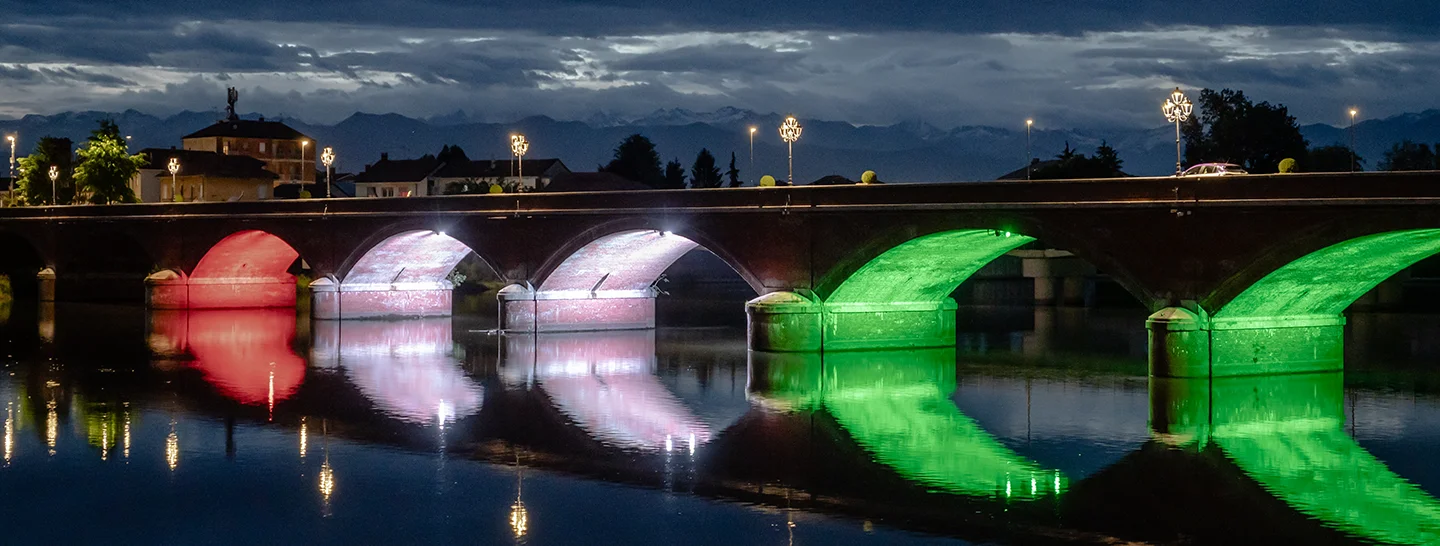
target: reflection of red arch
246 269
245 353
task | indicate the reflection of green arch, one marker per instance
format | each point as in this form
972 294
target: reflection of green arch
896 405
902 298
1286 433
1328 280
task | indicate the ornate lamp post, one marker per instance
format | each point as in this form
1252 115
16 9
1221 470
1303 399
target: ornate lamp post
518 147
1028 161
11 195
1353 112
54 177
174 168
752 151
790 132
327 157
1177 109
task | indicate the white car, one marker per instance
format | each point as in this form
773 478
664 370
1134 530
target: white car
1214 169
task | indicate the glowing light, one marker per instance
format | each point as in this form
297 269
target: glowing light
9 428
790 132
52 425
924 269
173 166
327 156
270 396
327 481
519 519
1177 109
172 448
630 260
247 269
126 438
304 437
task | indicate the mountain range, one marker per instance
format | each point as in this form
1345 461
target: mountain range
911 151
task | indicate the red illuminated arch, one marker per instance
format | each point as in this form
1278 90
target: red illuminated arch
246 269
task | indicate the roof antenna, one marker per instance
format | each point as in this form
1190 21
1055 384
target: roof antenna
231 95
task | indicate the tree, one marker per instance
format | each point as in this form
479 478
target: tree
1330 159
674 175
1230 128
1408 156
733 173
106 167
33 182
1069 164
704 173
635 159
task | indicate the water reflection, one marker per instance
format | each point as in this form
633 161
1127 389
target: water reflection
1286 432
605 383
407 368
246 354
896 404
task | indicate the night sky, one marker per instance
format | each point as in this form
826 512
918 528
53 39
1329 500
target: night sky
988 62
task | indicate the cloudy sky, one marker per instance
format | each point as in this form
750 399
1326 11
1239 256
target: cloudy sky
1089 63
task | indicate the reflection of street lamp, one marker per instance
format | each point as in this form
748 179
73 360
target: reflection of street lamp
1353 112
54 178
1028 161
327 157
1177 109
790 132
174 168
752 151
519 516
518 147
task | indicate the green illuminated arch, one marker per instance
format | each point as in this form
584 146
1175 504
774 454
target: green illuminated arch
925 269
896 405
1286 432
1327 281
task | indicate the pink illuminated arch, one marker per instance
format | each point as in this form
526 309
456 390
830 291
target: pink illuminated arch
629 260
411 258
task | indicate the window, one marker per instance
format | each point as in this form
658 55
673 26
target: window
262 147
371 192
389 192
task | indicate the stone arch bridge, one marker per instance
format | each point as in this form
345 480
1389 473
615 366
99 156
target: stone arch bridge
1244 275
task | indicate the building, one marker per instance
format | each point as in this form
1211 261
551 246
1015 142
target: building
203 176
452 172
283 150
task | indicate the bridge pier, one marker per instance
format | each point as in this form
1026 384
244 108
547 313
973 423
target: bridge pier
1059 276
526 310
168 289
1184 343
796 322
339 301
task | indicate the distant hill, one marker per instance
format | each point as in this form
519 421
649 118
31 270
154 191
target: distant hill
904 152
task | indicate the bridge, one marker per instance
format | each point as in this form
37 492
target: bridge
1244 275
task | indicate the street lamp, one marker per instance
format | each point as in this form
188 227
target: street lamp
54 177
174 168
752 150
518 146
1028 161
790 132
1177 109
327 157
1353 113
11 195
303 145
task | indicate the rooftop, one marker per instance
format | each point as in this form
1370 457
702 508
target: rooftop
245 128
195 162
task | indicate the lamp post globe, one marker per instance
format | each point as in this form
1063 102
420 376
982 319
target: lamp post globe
54 178
174 168
327 157
790 132
1177 109
518 147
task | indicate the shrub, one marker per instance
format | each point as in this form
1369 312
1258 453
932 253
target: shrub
1287 165
767 180
868 177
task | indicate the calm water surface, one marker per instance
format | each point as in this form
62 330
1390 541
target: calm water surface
123 426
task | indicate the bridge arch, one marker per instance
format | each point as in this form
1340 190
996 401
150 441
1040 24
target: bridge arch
1284 318
604 280
240 269
403 274
20 261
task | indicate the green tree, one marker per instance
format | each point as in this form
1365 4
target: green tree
733 173
1069 165
1107 162
1330 159
106 167
704 173
1408 156
674 175
1230 128
33 183
636 159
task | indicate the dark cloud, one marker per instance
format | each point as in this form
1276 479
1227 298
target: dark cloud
728 58
62 76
